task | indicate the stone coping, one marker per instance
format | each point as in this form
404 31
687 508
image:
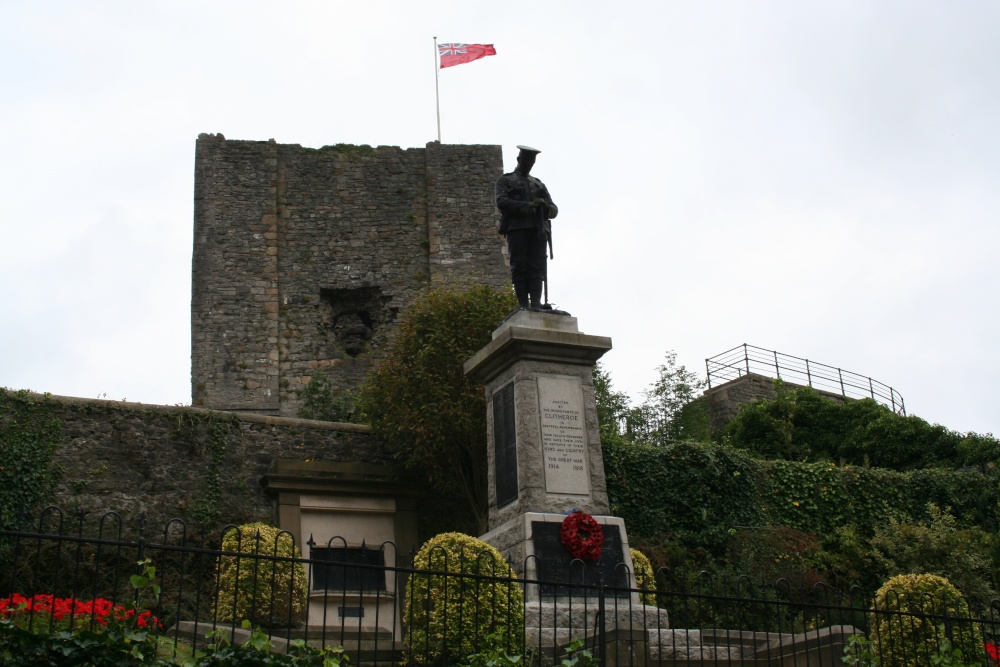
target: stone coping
515 343
243 416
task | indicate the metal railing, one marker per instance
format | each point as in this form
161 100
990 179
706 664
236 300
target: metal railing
677 619
748 359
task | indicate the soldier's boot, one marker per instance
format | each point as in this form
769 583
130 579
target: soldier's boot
521 292
535 292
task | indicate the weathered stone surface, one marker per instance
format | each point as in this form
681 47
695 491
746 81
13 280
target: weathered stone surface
165 461
529 351
823 647
563 575
515 540
726 400
563 435
559 622
303 258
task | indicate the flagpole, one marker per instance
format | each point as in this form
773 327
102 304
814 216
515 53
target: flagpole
437 94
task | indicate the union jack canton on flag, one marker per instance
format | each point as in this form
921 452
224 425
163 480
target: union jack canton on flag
454 53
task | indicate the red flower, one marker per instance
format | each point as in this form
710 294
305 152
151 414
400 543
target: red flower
993 651
582 536
99 610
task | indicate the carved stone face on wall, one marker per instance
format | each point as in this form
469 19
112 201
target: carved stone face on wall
354 317
353 330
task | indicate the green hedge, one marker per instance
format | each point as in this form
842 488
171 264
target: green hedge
696 492
803 425
692 491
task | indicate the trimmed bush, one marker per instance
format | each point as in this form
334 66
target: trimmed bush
694 493
261 586
644 577
911 638
450 618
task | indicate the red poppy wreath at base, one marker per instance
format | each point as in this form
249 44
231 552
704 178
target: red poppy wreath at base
582 536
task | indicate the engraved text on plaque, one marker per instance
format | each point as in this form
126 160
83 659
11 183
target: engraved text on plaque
564 439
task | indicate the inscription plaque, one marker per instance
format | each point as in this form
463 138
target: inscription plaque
562 576
564 435
351 612
504 446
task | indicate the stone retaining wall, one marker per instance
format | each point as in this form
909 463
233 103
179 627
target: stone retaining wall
186 462
726 400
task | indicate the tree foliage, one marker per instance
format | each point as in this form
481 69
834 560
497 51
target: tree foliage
672 409
419 400
802 425
939 546
692 492
702 502
612 406
323 400
801 487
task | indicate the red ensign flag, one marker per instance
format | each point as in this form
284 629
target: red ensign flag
459 54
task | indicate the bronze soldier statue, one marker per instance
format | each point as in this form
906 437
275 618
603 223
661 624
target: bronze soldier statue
525 211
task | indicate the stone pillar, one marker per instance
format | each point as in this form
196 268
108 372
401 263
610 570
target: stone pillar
544 448
544 458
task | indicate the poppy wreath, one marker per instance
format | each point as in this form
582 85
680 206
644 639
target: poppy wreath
582 536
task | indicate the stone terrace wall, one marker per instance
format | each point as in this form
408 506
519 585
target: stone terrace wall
727 399
186 462
303 258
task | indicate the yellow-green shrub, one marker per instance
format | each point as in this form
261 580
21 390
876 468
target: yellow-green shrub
644 577
265 591
450 618
911 638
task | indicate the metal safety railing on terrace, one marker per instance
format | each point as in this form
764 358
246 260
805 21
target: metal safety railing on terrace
748 359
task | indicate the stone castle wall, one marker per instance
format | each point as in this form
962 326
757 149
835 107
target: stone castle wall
187 462
303 258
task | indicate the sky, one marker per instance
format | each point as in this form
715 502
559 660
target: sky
819 179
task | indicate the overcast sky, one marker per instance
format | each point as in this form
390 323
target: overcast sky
817 178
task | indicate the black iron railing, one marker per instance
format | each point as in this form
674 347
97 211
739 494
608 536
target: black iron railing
686 619
748 359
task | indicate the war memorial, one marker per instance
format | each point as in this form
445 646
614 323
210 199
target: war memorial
303 261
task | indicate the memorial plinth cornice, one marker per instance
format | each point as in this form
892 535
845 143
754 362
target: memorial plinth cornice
516 343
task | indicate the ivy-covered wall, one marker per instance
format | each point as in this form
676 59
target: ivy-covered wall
202 466
696 493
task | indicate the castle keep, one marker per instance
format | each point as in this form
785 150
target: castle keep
303 258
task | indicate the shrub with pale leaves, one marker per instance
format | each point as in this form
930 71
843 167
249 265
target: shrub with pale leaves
914 607
266 583
477 605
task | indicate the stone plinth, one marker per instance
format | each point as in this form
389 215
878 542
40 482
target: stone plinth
544 449
527 541
544 458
